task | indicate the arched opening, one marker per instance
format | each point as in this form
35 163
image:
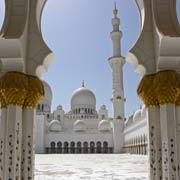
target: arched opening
105 147
92 147
79 148
98 147
85 147
66 147
72 147
59 147
53 147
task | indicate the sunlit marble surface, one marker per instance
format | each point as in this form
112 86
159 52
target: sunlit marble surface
91 167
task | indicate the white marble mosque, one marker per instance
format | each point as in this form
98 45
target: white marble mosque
84 129
155 56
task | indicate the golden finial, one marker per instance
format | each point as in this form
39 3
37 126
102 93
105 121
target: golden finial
115 9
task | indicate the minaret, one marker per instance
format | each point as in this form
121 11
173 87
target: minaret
116 62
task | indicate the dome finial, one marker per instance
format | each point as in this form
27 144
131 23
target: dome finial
83 84
115 9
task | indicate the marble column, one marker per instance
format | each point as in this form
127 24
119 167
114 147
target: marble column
3 125
178 138
169 150
28 144
12 146
154 146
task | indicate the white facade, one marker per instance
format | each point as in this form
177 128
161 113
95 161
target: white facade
135 132
81 130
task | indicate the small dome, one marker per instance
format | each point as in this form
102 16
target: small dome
48 94
80 125
59 107
83 98
103 106
55 126
137 116
104 125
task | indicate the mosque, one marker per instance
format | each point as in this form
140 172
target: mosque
155 56
84 129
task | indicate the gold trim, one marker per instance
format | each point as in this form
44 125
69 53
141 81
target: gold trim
20 89
160 88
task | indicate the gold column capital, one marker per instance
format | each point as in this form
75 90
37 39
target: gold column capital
160 88
20 89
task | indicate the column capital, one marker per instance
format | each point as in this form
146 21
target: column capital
160 88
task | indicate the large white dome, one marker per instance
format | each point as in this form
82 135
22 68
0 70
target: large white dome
83 98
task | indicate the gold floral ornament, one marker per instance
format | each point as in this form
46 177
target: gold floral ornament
146 91
17 88
35 92
178 101
167 85
160 88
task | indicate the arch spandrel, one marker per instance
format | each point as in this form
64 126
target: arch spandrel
15 19
158 44
143 52
38 55
23 23
166 19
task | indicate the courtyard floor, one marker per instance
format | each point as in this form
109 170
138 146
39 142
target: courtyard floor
91 167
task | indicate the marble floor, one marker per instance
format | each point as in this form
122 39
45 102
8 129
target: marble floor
91 167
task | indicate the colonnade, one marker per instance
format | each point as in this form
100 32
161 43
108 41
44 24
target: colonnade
79 148
136 145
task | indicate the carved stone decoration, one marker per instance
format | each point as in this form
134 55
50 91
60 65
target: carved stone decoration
165 16
142 55
23 55
22 47
158 51
37 58
158 45
15 18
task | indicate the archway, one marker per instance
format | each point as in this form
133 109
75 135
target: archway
85 147
98 147
72 148
53 147
79 147
66 147
92 147
105 147
59 147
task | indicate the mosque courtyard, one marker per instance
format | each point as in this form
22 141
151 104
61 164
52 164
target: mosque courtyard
91 167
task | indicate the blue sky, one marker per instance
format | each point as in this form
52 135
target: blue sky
77 31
